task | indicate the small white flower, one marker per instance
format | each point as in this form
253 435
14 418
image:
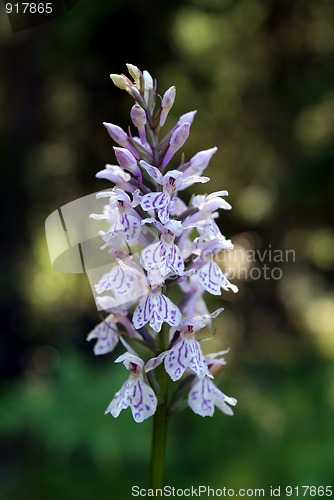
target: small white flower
126 279
106 334
135 392
164 254
173 181
125 220
185 354
156 309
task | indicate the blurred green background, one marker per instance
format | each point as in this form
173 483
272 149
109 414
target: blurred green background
261 75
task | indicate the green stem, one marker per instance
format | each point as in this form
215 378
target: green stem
159 435
160 428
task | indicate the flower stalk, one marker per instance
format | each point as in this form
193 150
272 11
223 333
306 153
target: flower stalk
159 434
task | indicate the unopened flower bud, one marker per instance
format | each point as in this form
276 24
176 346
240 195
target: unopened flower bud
119 81
148 81
135 73
179 137
124 83
138 116
120 137
125 158
186 118
116 133
148 86
198 162
127 161
167 103
201 159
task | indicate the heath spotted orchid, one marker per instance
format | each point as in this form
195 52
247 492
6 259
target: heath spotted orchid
164 261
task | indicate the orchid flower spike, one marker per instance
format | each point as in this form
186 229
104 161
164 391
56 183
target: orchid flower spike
160 259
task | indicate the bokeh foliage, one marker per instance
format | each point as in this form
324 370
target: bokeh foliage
260 74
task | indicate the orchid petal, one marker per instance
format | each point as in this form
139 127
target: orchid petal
106 334
152 171
155 309
163 214
153 255
163 309
174 260
136 394
128 359
154 201
144 401
142 313
154 362
189 181
204 396
151 220
129 225
201 398
186 353
212 279
114 173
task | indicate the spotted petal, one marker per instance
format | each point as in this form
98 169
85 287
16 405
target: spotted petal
107 336
143 401
212 279
201 398
204 396
142 313
120 401
154 172
114 173
129 225
163 214
174 260
155 309
153 255
163 309
186 353
198 363
104 284
118 280
136 394
166 257
154 201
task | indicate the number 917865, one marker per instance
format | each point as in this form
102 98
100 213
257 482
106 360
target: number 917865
29 8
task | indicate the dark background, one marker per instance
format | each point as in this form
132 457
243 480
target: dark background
260 74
